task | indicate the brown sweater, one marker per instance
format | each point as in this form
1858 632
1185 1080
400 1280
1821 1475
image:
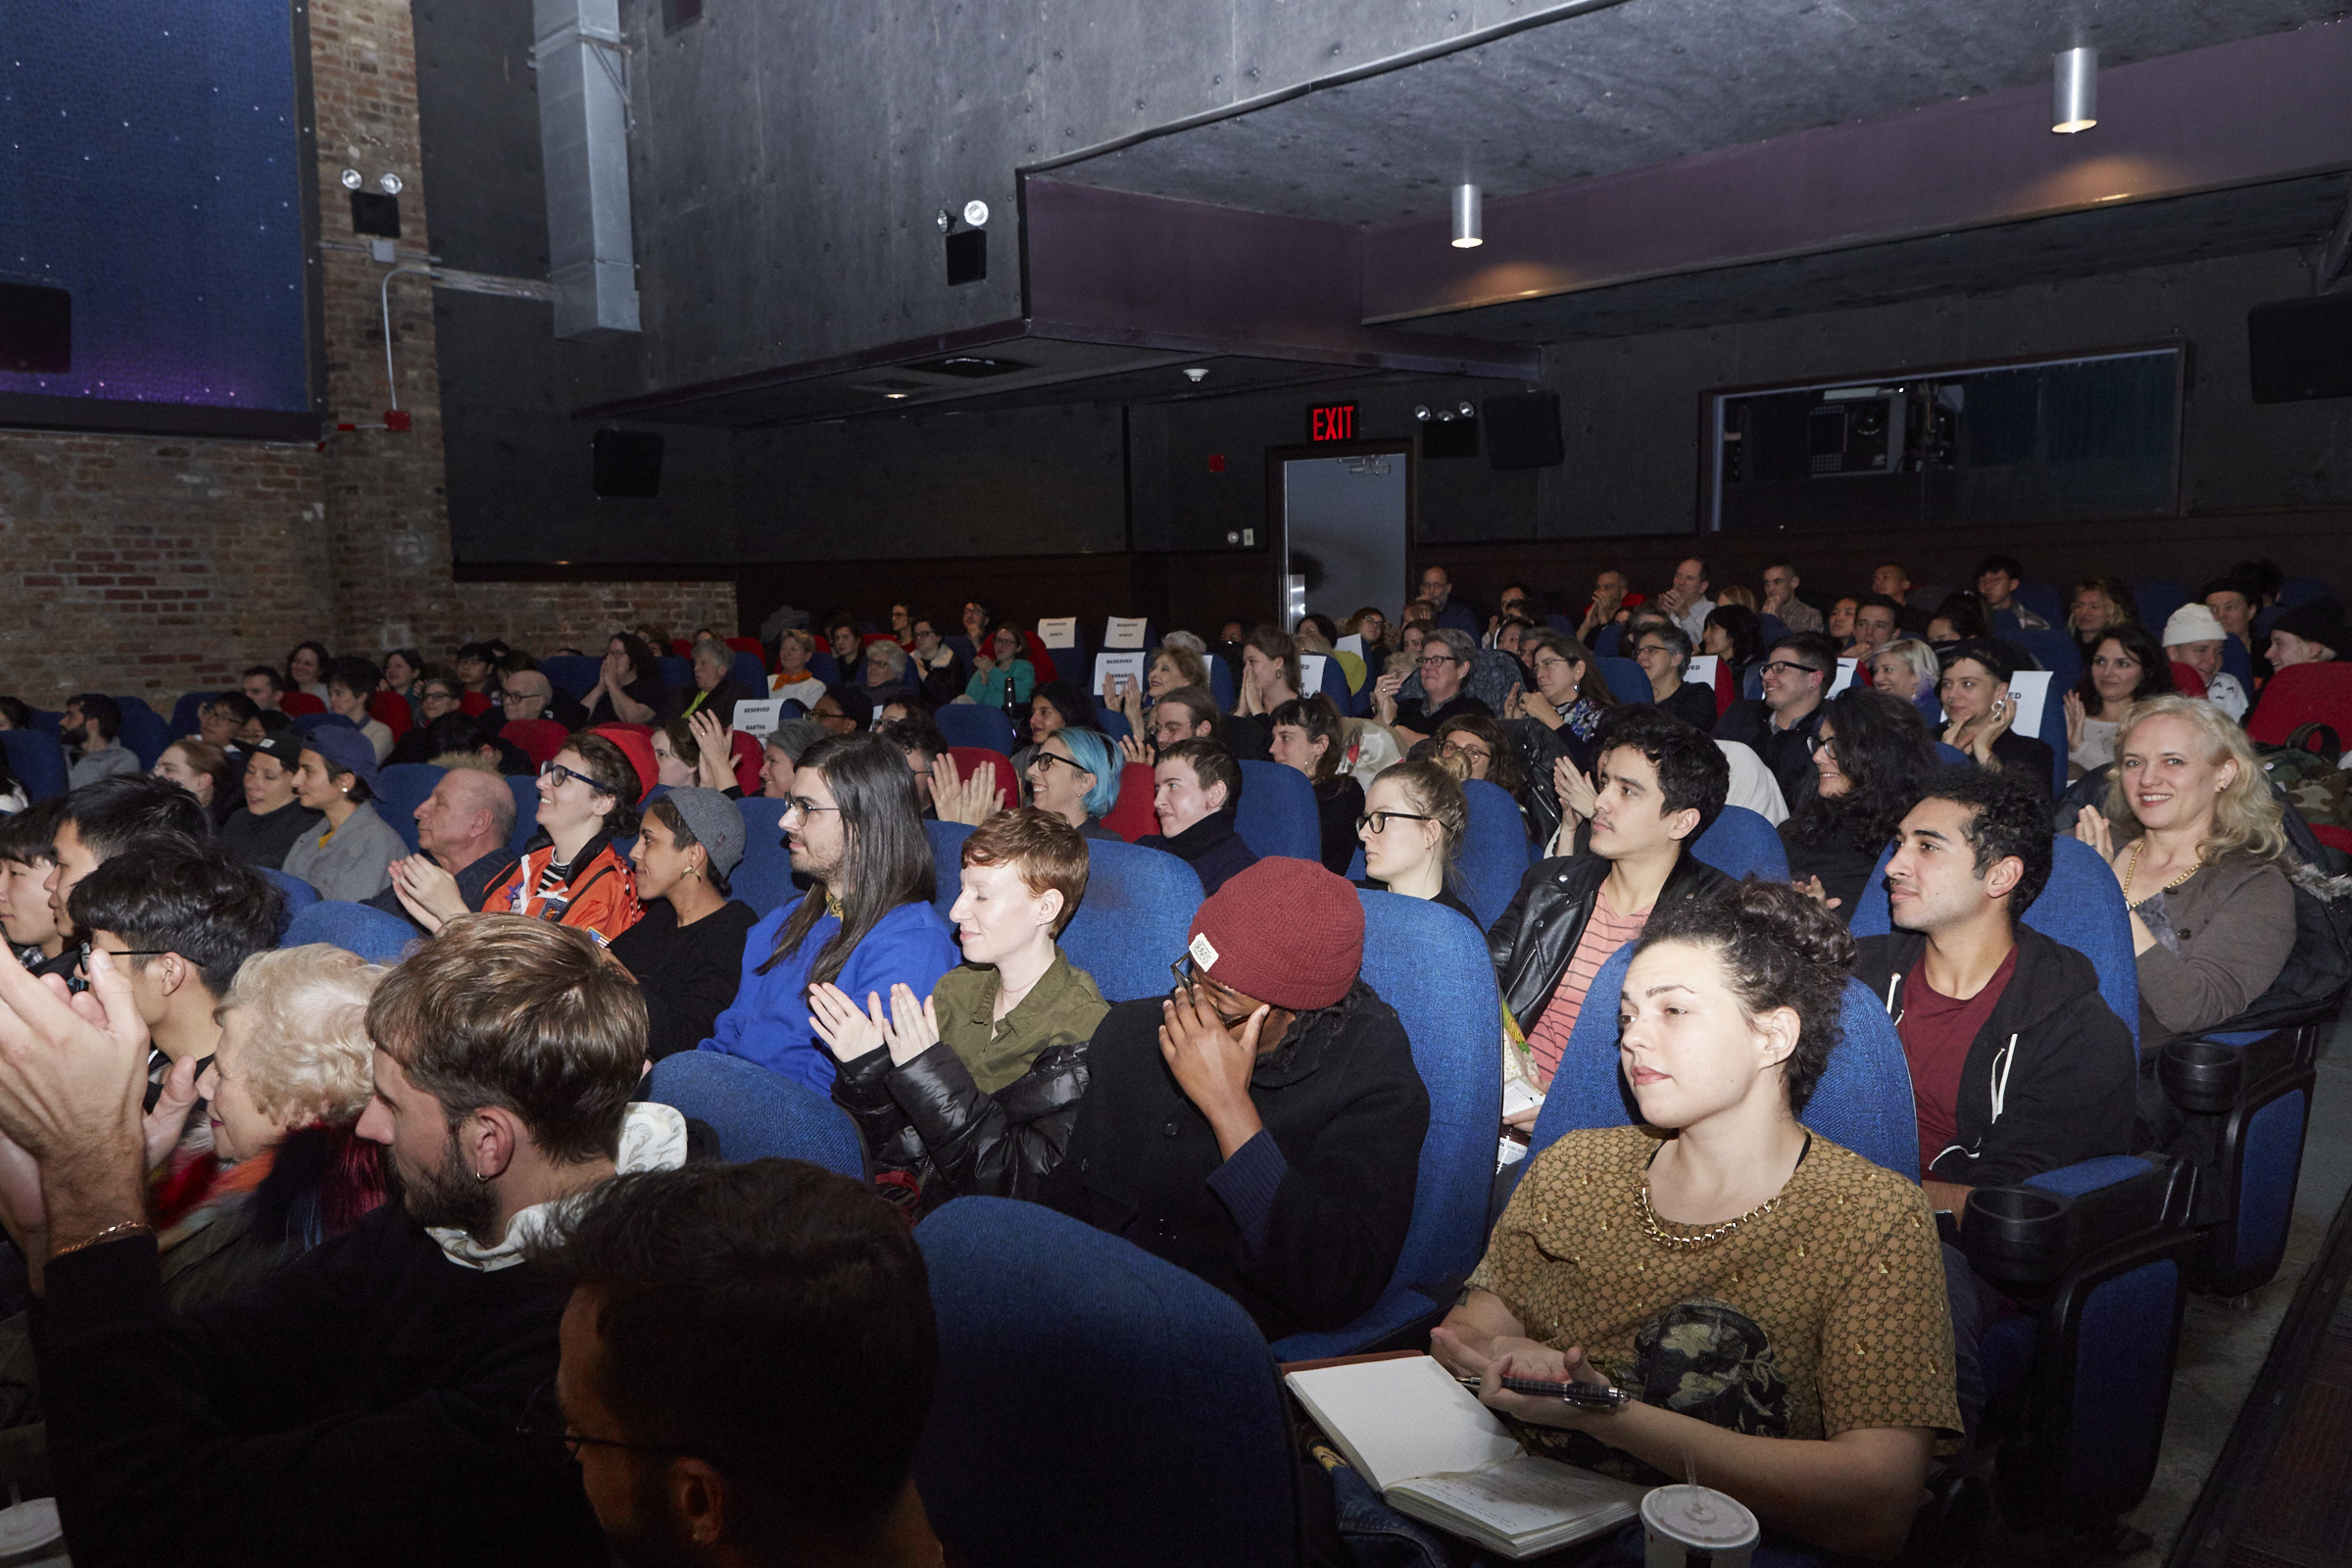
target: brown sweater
2237 922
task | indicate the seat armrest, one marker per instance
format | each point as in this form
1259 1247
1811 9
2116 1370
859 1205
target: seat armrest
2030 1235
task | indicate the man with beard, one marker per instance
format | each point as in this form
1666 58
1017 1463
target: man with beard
369 1403
692 1451
91 725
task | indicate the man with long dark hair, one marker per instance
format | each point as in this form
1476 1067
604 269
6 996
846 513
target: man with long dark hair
856 834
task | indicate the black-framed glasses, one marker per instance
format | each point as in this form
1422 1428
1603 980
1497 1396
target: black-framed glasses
1378 821
1072 763
1791 667
1476 753
804 807
558 772
121 952
1188 981
1435 660
543 1419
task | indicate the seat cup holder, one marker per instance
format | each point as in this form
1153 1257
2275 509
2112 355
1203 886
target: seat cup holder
2015 1234
2200 1076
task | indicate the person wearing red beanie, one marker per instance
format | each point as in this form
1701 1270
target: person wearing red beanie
1261 1125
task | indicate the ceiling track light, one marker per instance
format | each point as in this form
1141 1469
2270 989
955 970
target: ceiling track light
2074 90
1468 217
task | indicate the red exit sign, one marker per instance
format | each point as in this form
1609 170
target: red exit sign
1330 422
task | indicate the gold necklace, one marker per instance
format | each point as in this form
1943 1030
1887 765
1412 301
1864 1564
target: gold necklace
1655 1229
2132 869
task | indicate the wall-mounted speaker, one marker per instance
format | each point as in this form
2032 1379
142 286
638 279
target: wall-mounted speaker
968 257
1523 430
36 329
374 212
628 463
2299 349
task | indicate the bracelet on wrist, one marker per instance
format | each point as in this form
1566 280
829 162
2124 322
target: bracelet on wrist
132 1227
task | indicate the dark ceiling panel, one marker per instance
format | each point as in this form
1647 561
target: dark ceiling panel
1641 84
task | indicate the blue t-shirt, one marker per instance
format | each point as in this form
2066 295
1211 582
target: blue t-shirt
768 1022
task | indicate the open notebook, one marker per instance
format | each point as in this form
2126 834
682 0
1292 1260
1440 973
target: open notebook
1433 1453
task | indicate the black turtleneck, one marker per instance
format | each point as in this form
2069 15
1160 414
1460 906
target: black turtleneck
1212 847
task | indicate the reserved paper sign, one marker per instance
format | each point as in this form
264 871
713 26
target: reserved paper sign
1111 666
1059 633
1119 631
758 719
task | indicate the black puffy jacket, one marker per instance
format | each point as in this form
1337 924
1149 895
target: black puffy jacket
1532 941
929 1119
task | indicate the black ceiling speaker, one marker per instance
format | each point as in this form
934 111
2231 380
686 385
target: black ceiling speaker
36 328
1523 430
1456 437
628 465
2298 349
374 212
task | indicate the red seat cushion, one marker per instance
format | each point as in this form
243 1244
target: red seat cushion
539 739
1132 817
392 710
294 704
747 760
968 757
474 704
2303 694
2192 683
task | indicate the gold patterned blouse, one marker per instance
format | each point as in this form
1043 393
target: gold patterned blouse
1825 1314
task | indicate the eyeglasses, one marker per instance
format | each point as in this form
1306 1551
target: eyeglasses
1436 659
1476 753
1378 821
558 772
1190 982
437 694
543 1419
1784 667
121 952
1071 763
803 808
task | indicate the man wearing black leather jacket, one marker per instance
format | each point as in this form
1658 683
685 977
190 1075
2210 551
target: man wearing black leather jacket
1657 784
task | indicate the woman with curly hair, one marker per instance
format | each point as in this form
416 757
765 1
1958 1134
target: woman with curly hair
1873 754
1745 1299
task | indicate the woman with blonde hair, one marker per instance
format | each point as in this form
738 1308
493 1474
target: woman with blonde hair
1412 826
1174 665
2195 838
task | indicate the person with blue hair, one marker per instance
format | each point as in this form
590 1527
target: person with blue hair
1074 776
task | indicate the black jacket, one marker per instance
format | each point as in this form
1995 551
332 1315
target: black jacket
1343 1102
1787 753
1843 860
1534 939
929 1118
688 975
1212 847
2052 1076
1339 801
360 1406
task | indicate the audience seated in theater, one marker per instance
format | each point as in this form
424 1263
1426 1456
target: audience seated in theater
1260 1126
306 670
261 830
713 686
463 830
938 676
1877 621
1471 747
2127 666
1873 755
1002 674
919 741
866 923
1780 601
203 772
2193 833
2194 637
1269 678
181 917
845 643
1979 710
221 720
347 854
475 666
1998 578
527 693
1959 618
1195 792
26 858
1444 661
99 821
309 1418
844 710
1780 726
2231 601
1663 650
978 621
1893 581
262 686
1734 637
1074 777
1609 598
1562 708
795 647
349 682
686 948
781 752
1684 601
1055 705
883 675
1307 736
973 1089
2099 605
1410 637
1320 634
1174 667
1411 830
677 756
1371 625
571 873
1752 787
1776 1314
628 686
689 1452
404 674
439 713
1839 624
2311 633
92 726
1437 590
1658 784
1908 669
1180 714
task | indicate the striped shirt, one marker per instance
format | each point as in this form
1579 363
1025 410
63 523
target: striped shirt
1604 933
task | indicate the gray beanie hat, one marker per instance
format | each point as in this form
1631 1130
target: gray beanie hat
714 823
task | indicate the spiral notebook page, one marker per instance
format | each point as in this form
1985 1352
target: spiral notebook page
1396 1420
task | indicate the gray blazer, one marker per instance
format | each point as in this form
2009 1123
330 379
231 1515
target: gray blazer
355 865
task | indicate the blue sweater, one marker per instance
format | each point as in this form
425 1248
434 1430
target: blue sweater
768 1022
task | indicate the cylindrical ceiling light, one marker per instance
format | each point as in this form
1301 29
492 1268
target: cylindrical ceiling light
1466 217
2074 90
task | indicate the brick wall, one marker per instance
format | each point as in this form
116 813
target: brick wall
149 567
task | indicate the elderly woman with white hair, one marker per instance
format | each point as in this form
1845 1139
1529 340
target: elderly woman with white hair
885 673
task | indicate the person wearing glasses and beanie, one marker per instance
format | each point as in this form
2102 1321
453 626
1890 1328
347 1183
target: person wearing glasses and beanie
569 872
349 853
1260 1126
